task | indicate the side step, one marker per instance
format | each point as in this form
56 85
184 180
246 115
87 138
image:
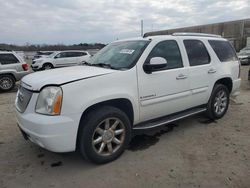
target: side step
168 119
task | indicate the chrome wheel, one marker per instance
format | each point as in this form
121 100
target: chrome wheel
6 83
220 102
108 137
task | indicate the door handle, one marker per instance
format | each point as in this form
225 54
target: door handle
181 77
211 71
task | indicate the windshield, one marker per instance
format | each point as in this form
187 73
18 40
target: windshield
52 55
119 55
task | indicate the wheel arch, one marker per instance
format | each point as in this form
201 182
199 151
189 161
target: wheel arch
123 104
227 81
10 74
48 63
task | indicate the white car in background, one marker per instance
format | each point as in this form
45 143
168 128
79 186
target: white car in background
60 59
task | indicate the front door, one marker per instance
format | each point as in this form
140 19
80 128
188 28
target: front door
64 59
164 91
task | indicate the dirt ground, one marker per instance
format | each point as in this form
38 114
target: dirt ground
194 152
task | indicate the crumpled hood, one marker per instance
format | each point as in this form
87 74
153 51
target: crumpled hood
35 81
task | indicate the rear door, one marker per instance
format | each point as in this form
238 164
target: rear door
164 91
201 69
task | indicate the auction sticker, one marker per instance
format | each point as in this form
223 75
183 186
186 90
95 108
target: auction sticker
126 51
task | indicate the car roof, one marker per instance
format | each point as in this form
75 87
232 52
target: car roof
6 52
177 35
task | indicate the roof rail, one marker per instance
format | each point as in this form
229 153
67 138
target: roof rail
5 50
196 34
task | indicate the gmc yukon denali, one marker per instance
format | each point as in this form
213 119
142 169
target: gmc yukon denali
134 84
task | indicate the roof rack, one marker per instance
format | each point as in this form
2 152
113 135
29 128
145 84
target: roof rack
5 50
196 34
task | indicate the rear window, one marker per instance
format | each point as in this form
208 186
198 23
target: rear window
223 50
8 59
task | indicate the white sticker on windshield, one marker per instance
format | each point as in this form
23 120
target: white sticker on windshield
126 51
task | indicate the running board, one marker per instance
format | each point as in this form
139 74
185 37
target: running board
168 119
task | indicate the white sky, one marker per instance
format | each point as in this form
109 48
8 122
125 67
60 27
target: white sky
69 22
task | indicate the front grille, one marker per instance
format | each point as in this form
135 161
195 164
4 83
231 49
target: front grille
23 99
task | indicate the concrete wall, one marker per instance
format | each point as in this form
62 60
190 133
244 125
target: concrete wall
235 31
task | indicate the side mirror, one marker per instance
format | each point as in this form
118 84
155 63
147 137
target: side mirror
155 64
55 57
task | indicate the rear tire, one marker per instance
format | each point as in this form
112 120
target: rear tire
7 82
218 103
104 134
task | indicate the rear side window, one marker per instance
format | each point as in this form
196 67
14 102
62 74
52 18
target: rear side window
197 52
6 59
223 50
168 50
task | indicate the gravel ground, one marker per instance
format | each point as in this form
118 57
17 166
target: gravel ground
194 152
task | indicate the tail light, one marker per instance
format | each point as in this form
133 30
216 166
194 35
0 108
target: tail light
25 67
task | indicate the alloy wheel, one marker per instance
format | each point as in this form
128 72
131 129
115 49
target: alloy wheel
6 83
220 102
108 137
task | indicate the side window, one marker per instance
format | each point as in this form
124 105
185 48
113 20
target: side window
82 53
71 54
6 59
197 52
62 55
223 50
168 50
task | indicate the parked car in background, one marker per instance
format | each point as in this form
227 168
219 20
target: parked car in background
42 54
244 57
129 85
60 59
12 69
246 49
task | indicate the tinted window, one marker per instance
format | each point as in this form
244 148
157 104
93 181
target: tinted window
168 50
82 53
8 59
78 54
62 55
197 52
223 50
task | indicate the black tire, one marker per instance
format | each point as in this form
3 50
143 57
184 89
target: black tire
218 110
7 82
47 66
88 134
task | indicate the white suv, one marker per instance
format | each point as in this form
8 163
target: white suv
12 69
129 85
60 59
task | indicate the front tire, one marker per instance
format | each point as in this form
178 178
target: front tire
218 102
47 66
7 83
104 134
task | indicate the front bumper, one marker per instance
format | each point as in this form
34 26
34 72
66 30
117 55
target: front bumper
54 133
244 61
236 87
35 67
